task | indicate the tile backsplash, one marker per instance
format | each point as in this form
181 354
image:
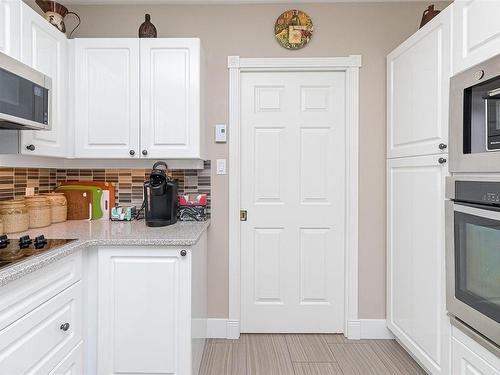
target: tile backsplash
128 182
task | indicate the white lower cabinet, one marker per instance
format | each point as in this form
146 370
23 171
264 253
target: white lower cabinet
72 364
470 358
416 311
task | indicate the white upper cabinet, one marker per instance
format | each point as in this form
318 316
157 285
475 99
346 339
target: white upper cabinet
476 29
418 74
416 311
10 28
106 98
170 98
44 48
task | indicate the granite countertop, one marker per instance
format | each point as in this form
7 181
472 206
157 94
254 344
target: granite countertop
101 233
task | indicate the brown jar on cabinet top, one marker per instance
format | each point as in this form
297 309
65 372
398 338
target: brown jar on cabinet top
58 207
39 211
14 215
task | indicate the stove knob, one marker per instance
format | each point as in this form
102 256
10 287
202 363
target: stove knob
4 241
24 242
40 241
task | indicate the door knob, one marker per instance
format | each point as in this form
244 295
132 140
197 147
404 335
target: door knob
183 253
64 326
31 147
144 152
441 160
131 152
442 146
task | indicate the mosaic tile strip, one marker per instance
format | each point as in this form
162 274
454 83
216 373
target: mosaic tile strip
128 182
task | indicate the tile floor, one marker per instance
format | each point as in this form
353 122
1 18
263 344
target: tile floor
262 354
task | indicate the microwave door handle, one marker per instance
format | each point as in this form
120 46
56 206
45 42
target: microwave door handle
492 213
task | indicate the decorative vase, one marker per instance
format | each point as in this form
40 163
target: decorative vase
428 15
55 13
147 29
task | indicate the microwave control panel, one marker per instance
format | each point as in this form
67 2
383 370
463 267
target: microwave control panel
482 192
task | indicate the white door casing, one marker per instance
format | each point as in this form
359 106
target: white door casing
293 158
349 67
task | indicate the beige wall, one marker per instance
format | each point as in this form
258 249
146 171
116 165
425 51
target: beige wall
369 29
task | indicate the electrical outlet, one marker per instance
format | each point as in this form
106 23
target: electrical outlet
29 192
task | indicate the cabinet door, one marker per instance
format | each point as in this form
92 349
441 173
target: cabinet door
143 311
170 98
476 32
44 48
10 28
72 364
106 98
418 73
470 358
415 254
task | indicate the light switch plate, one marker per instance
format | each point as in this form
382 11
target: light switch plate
220 133
221 166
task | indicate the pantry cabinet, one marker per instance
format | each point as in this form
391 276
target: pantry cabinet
106 98
416 309
137 98
476 32
44 48
10 28
418 73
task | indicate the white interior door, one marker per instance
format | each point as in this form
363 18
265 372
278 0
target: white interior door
293 156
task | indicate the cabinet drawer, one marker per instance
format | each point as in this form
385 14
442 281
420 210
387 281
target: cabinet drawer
21 296
35 343
72 364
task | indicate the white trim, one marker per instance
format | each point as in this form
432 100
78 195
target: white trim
28 161
350 65
358 329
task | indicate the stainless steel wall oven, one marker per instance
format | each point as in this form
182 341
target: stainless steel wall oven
473 255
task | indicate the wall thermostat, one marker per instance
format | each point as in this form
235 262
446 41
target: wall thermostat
220 133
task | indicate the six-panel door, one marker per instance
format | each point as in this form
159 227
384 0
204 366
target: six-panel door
106 91
44 48
170 98
144 311
418 74
416 311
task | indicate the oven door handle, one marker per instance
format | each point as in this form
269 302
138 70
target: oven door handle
492 213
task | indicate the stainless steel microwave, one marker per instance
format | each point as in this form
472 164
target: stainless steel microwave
25 96
475 118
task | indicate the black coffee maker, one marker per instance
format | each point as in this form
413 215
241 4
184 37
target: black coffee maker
160 197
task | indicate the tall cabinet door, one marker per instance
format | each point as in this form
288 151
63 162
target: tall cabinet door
10 28
416 312
44 48
418 74
170 98
143 311
477 32
106 115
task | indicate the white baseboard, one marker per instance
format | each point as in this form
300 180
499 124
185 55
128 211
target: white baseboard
356 329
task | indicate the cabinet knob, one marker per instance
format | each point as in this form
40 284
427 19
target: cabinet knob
31 147
64 327
131 152
144 152
441 160
183 253
442 146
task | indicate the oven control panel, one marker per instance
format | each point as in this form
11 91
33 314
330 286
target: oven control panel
481 192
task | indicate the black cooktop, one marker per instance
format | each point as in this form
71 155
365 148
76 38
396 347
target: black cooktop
13 251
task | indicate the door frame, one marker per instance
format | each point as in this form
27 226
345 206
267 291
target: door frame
350 65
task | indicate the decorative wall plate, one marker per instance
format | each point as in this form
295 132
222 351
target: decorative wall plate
293 29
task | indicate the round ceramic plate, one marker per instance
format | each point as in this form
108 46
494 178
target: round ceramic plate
293 29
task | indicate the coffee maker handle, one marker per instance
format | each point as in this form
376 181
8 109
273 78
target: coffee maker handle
160 163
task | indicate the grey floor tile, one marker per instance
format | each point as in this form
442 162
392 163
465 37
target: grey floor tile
396 359
308 348
358 359
302 368
224 359
268 355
